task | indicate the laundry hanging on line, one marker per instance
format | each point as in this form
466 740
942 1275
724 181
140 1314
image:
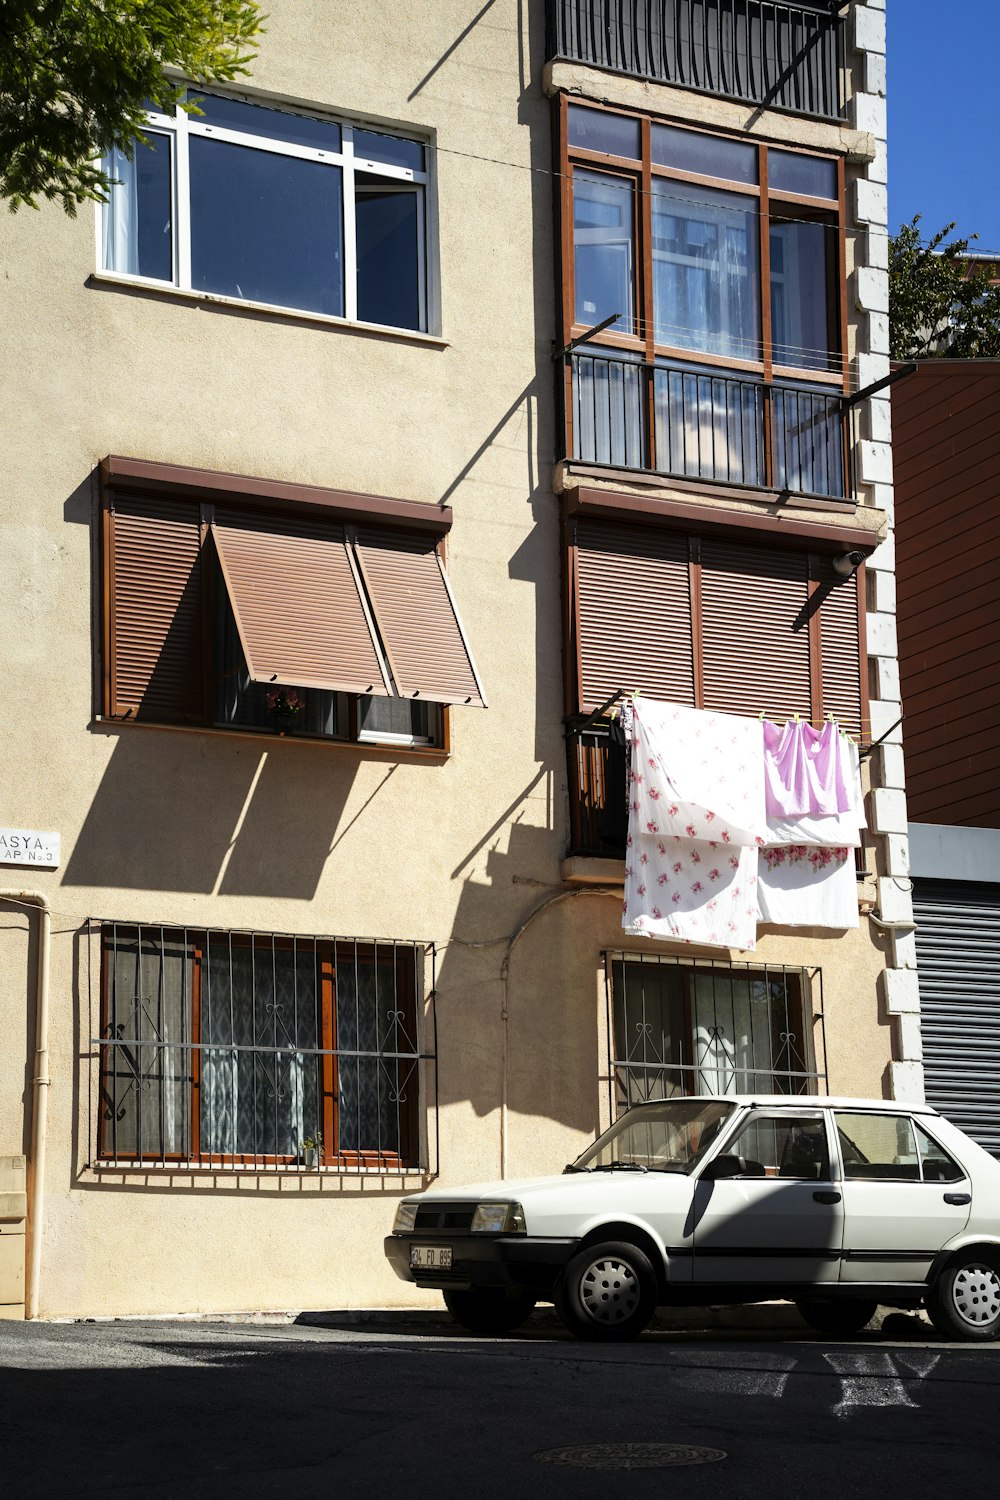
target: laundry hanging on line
696 819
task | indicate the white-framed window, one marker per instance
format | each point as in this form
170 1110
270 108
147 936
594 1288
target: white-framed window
276 208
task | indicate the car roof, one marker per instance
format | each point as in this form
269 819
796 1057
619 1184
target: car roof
797 1101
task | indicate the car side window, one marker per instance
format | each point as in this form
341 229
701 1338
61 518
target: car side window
783 1147
935 1163
878 1147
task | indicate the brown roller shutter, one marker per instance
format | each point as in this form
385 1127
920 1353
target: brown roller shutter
843 687
755 629
417 618
633 613
299 610
154 609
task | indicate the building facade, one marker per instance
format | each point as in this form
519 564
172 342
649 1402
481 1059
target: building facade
464 369
947 450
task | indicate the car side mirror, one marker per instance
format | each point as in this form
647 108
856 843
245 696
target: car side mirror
722 1166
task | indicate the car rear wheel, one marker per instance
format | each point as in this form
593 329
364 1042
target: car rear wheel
964 1302
838 1317
490 1311
607 1291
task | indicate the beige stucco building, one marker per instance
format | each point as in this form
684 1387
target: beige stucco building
287 415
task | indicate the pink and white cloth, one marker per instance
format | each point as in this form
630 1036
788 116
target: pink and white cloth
804 771
805 885
693 770
815 817
696 819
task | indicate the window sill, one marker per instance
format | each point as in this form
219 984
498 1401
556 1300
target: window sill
285 314
436 754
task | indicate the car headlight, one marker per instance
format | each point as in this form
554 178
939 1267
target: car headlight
406 1218
498 1218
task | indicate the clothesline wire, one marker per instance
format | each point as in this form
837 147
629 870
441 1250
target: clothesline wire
555 175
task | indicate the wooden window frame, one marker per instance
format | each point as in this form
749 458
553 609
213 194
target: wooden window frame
641 172
330 953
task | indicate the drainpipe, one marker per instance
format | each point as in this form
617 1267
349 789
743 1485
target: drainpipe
39 1094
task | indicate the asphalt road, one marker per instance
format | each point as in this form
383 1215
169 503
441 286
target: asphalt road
173 1408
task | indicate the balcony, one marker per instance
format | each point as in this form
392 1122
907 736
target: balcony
698 424
598 808
789 56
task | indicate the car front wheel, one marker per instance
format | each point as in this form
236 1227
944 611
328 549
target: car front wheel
964 1302
490 1311
837 1317
607 1291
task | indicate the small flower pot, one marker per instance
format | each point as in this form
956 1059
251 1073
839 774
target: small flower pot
310 1158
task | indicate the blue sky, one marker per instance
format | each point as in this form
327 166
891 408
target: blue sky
944 115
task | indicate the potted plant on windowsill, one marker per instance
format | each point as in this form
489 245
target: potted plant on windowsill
312 1145
284 706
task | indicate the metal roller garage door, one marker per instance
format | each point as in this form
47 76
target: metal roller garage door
958 959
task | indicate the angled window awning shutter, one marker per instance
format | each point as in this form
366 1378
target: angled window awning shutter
300 613
840 624
633 613
417 619
154 609
755 629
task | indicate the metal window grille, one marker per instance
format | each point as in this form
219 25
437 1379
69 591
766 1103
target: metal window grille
677 1027
789 56
239 1050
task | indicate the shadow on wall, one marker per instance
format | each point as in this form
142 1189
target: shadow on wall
175 812
541 996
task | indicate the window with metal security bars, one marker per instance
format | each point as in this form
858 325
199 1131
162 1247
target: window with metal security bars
677 1028
232 1049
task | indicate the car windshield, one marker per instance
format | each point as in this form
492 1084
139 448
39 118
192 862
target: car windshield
669 1136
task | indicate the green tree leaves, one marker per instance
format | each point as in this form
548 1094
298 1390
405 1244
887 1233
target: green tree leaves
76 77
941 305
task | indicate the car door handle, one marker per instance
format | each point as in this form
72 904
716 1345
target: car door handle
958 1198
827 1197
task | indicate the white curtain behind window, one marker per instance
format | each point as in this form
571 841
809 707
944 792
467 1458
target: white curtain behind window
121 215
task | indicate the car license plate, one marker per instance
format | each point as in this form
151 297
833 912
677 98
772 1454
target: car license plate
430 1257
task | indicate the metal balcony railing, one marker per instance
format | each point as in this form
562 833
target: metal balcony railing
699 424
598 806
789 56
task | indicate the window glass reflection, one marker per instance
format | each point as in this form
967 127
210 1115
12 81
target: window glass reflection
276 124
388 246
705 271
597 130
791 172
708 155
803 322
604 250
391 150
266 228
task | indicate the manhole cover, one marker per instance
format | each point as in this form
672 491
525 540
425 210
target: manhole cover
631 1455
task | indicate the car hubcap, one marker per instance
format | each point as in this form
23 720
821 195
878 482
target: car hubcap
976 1295
609 1291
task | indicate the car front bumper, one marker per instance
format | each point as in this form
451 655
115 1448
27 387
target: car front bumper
483 1260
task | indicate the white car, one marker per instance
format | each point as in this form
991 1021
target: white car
836 1204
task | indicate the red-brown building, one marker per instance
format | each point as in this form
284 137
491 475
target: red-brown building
946 441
